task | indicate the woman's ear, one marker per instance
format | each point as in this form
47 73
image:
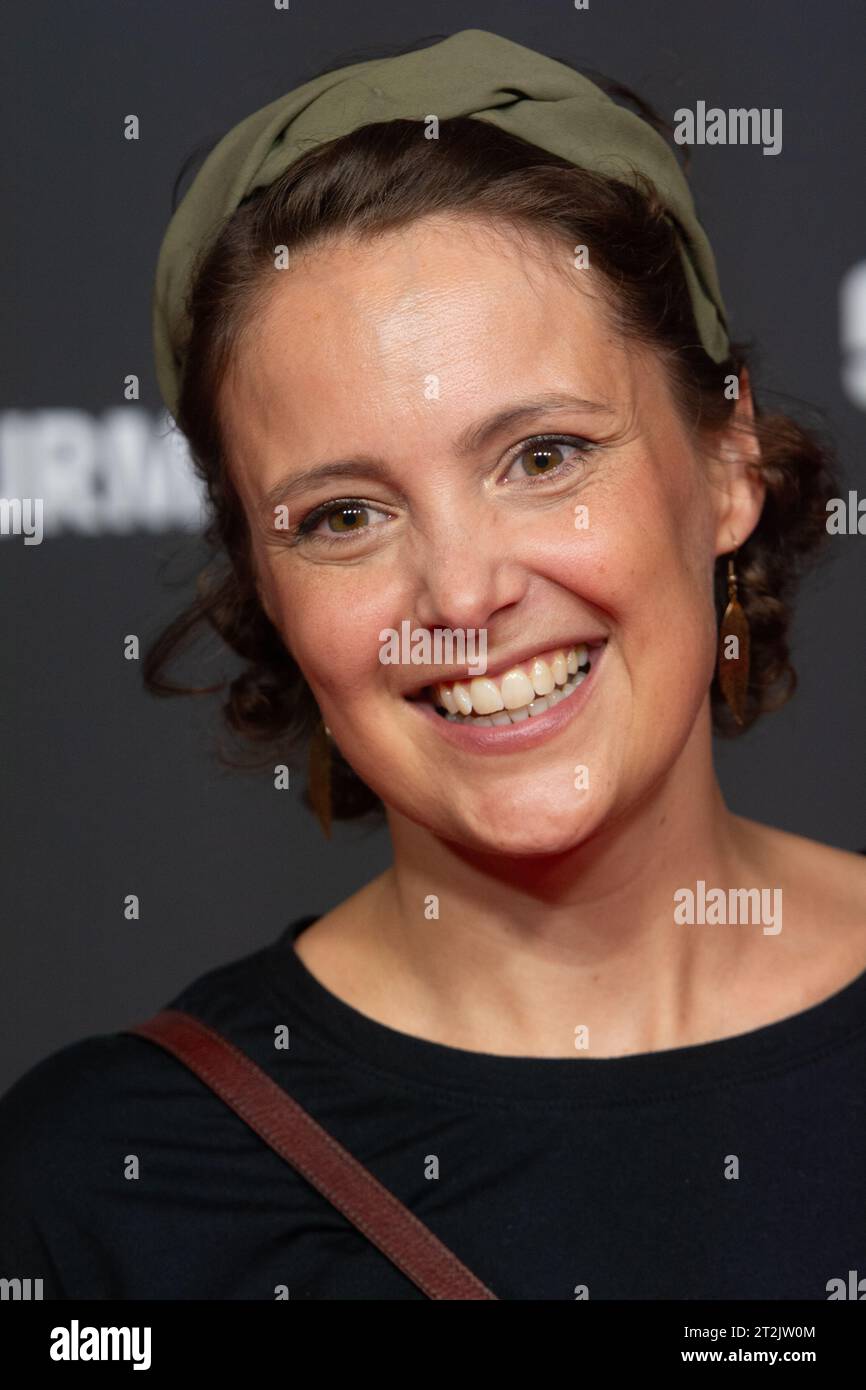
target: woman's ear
745 404
736 472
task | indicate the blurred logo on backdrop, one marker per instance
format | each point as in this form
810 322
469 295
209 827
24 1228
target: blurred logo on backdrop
67 471
852 315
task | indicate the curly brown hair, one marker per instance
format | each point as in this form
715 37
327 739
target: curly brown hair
386 175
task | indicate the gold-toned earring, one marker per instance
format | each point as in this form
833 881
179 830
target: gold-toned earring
733 665
319 776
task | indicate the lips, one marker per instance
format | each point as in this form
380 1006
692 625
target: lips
490 737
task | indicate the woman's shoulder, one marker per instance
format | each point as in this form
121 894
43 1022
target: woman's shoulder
54 1114
822 896
813 872
106 1084
64 1126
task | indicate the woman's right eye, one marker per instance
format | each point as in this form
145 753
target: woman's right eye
342 517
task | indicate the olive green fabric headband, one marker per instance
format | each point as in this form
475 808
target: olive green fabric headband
472 73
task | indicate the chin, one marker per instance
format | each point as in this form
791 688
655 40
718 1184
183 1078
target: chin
523 835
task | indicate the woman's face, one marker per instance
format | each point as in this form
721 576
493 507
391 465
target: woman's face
416 369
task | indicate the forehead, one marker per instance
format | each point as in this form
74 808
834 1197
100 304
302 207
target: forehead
456 311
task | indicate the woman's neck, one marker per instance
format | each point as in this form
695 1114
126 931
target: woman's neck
511 956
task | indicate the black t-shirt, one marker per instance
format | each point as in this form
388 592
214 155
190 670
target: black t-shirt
543 1175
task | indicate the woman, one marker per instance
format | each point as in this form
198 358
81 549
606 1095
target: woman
446 339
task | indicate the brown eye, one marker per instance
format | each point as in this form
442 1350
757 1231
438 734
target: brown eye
339 518
550 456
542 458
344 519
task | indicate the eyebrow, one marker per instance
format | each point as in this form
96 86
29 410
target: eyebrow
473 439
469 441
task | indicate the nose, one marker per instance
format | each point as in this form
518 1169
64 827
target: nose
463 576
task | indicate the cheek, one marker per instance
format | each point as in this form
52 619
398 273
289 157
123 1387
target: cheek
648 571
329 619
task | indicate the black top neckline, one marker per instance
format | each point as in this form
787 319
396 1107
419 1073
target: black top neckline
786 1044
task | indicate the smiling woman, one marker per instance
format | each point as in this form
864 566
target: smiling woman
470 372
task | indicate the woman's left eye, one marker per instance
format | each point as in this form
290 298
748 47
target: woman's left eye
546 455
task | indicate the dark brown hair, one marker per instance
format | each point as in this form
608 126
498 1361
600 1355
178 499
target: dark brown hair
384 176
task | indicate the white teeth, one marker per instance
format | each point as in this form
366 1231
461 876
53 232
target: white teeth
448 700
486 698
516 689
542 677
462 698
520 688
536 707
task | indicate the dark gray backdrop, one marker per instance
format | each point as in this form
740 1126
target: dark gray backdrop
108 792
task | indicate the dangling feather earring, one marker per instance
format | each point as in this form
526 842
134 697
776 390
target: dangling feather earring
733 668
319 776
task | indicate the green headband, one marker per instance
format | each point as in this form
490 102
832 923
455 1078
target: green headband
472 73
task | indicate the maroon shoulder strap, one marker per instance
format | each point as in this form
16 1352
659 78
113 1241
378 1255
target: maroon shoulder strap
302 1142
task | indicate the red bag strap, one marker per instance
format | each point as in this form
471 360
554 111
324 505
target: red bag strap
302 1142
